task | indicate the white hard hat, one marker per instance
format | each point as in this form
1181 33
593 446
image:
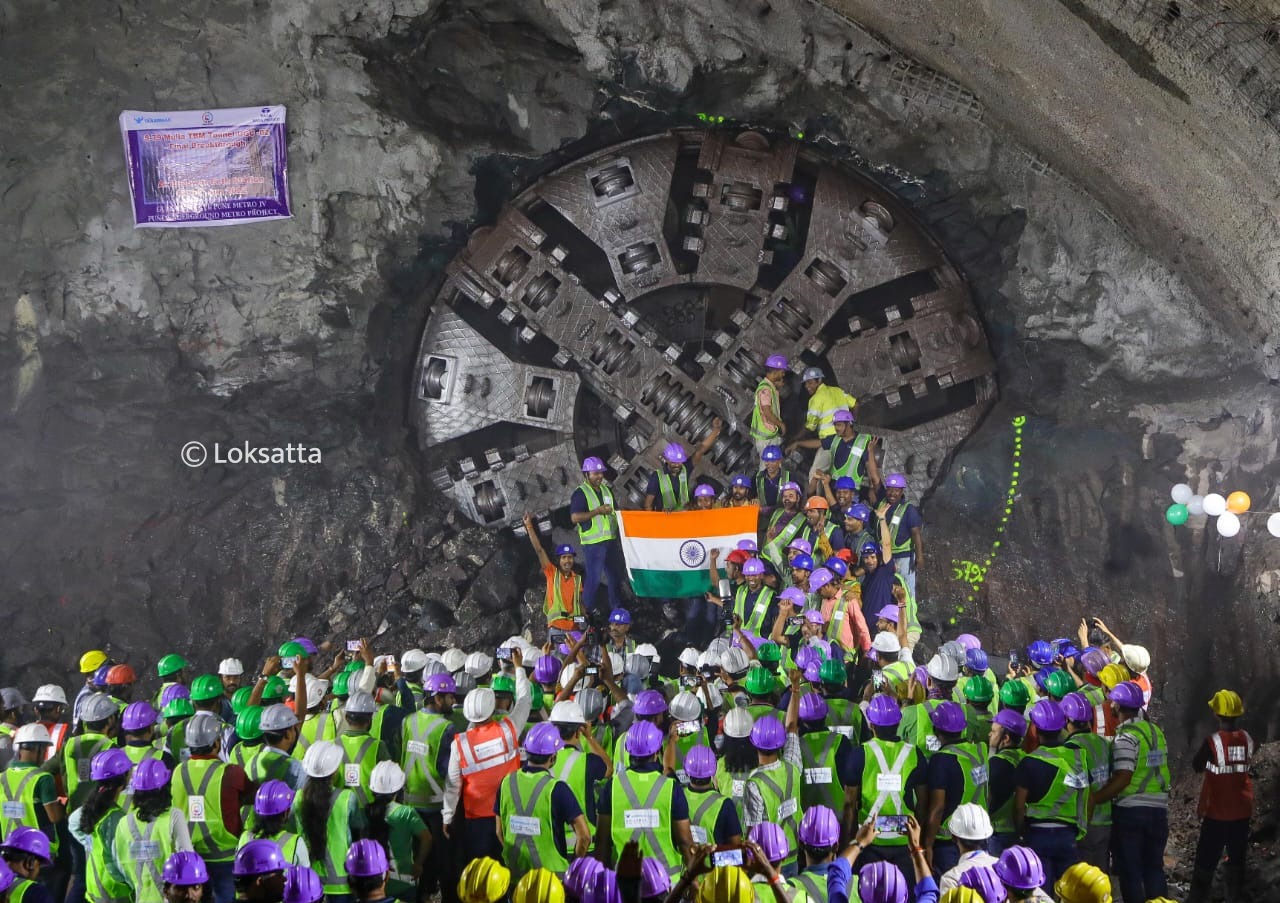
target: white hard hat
454 659
202 729
566 711
591 701
718 646
360 703
886 643
970 821
708 659
942 667
569 676
50 693
638 665
811 373
433 656
649 651
738 723
1136 657
278 717
31 733
734 661
478 705
322 759
97 707
688 657
230 667
477 664
413 660
387 777
685 706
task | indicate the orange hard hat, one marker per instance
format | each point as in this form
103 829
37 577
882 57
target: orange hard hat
119 675
816 503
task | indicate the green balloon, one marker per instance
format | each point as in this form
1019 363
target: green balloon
1177 515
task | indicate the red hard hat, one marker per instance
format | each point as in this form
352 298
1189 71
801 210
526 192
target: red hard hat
738 556
845 555
119 675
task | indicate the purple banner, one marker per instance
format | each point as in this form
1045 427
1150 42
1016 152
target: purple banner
206 167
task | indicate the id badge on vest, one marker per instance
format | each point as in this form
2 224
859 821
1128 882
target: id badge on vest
817 775
699 834
888 783
351 774
14 809
142 850
416 748
979 775
641 819
1155 758
195 809
524 826
787 809
83 769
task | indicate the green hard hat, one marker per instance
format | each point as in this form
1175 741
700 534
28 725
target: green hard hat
537 697
769 652
292 650
206 687
759 682
352 667
170 664
1014 693
276 689
249 723
240 699
978 689
178 708
503 684
831 672
340 681
1058 683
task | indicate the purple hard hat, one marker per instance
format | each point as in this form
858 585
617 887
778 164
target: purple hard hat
108 764
794 595
7 878
772 840
1127 694
802 562
1048 716
1011 721
895 481
969 641
813 616
185 869
986 882
592 464
704 491
753 567
1076 707
976 660
791 486
948 717
884 711
889 613
882 882
138 716
777 362
674 453
581 874
31 841
655 883
563 550
644 738
747 545
441 683
151 774
258 857
820 827
837 566
302 885
820 578
272 798
768 734
309 647
603 888
367 859
801 545
813 672
813 707
1094 660
921 675
547 669
650 703
858 511
543 739
172 692
806 656
700 763
844 415
1020 868
1041 653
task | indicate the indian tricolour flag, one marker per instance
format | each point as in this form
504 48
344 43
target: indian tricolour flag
667 552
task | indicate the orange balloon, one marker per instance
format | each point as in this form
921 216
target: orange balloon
1239 502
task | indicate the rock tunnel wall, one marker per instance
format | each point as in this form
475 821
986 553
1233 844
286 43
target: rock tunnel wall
1130 321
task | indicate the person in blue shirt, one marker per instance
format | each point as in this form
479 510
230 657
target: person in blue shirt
669 488
840 871
905 526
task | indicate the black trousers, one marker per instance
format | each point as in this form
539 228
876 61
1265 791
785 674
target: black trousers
1215 837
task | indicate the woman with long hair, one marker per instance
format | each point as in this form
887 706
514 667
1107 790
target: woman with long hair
273 818
94 826
329 819
737 756
150 832
400 830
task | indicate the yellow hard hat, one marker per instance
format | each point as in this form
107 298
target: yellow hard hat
1227 704
539 886
484 880
726 885
92 660
1111 675
1083 883
962 895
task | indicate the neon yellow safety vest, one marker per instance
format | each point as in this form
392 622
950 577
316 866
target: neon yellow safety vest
844 717
18 785
270 764
760 430
731 783
811 887
674 494
972 758
524 807
821 782
76 756
320 726
141 850
853 466
1002 818
886 768
1151 771
332 866
784 476
775 549
913 610
243 754
752 621
420 737
360 752
1097 755
571 770
779 787
137 753
704 812
197 791
1066 797
287 840
641 811
602 527
103 881
895 515
823 404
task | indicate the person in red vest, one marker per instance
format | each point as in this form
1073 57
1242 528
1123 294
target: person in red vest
479 759
51 707
1226 800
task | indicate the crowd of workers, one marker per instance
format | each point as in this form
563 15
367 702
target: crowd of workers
792 751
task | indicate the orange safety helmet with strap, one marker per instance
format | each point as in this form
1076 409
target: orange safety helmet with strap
1227 791
486 753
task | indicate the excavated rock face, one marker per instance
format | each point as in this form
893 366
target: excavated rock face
411 122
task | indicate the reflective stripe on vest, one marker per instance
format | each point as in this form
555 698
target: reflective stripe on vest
762 484
1097 754
18 806
895 523
321 726
571 770
852 466
821 785
141 850
486 754
525 809
884 785
1233 759
332 869
1002 818
270 766
554 604
646 821
1151 770
781 804
209 835
972 759
363 758
753 621
601 527
420 735
759 428
704 816
75 758
813 889
674 496
101 884
775 548
1065 799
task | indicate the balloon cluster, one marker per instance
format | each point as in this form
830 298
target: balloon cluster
1227 509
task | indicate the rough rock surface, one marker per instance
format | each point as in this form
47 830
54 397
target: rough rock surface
1116 317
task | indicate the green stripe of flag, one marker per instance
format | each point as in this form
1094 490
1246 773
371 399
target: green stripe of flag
669 584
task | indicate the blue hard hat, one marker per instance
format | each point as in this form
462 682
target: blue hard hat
771 453
564 550
859 511
742 480
837 566
846 483
619 616
869 547
802 562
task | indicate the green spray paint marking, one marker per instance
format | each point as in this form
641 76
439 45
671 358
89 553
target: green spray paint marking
971 573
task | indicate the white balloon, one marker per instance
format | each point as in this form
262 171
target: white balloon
1228 524
1214 504
1273 525
1196 505
1181 493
